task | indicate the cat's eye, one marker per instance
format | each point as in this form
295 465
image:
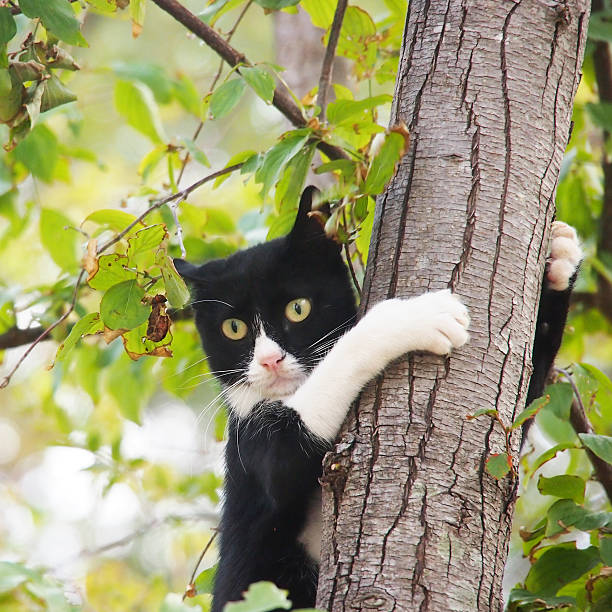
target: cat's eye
297 310
234 329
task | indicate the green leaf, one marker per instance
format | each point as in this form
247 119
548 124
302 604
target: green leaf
185 91
551 453
176 289
482 411
54 94
260 81
205 581
349 111
137 344
111 271
276 5
143 244
261 597
565 513
566 486
600 27
291 185
8 27
225 97
114 219
135 103
383 165
39 152
278 156
347 167
561 396
605 549
553 418
59 239
498 465
57 16
559 565
89 324
321 12
121 306
151 160
239 158
530 411
601 114
600 445
152 75
281 224
524 598
196 152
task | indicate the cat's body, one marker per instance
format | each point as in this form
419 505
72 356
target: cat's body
278 325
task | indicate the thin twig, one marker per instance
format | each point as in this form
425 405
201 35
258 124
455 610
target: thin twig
179 228
142 530
212 87
349 261
582 425
282 100
191 584
175 196
181 195
7 379
328 59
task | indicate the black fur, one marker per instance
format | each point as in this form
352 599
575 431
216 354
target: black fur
272 463
552 315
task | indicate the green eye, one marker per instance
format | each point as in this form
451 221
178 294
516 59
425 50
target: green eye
234 329
297 310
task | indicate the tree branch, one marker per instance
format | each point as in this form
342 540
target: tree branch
17 337
330 54
215 80
582 425
282 100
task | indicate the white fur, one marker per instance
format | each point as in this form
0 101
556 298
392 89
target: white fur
311 534
263 383
436 322
565 256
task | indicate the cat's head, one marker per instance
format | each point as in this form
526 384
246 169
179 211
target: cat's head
268 314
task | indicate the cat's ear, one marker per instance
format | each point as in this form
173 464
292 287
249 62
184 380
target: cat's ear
307 228
188 271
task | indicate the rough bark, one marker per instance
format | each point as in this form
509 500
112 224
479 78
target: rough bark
412 520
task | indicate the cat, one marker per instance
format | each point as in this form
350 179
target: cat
278 324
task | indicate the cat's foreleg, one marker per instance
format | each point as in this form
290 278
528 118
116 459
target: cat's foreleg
561 270
435 322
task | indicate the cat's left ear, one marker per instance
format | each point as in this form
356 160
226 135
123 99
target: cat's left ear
307 228
188 271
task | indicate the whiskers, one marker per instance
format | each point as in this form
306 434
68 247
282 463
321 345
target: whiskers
317 350
203 301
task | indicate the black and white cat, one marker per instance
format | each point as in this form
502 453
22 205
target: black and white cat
277 322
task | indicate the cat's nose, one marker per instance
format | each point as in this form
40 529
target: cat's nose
271 361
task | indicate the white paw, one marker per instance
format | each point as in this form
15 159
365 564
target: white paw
436 322
565 256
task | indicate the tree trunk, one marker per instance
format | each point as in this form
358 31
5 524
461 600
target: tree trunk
412 520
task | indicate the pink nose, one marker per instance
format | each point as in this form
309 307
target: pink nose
271 361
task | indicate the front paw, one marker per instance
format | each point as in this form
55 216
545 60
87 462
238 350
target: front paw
565 256
441 321
436 322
